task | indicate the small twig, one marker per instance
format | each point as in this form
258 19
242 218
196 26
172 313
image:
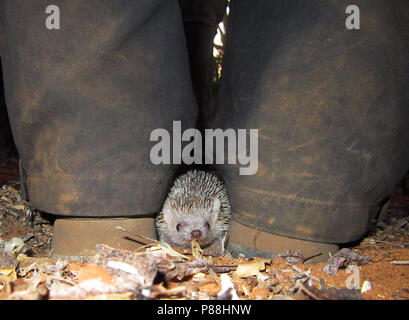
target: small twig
28 237
310 276
403 223
301 286
296 257
143 247
295 268
313 256
16 215
222 269
401 262
137 235
213 275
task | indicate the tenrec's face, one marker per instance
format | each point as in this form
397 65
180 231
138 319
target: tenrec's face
192 227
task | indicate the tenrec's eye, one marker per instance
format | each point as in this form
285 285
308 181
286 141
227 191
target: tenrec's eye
178 227
207 225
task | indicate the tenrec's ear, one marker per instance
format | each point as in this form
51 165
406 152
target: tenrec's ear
167 215
215 211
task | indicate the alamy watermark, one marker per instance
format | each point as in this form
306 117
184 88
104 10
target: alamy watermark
53 17
353 21
168 148
353 281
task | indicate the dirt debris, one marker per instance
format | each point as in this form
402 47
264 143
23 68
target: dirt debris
373 269
19 220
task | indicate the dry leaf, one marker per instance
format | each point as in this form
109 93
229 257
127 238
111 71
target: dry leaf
366 286
248 269
28 264
135 270
197 252
227 292
8 274
166 249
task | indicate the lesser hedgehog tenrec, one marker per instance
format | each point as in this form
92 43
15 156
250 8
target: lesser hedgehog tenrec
197 208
